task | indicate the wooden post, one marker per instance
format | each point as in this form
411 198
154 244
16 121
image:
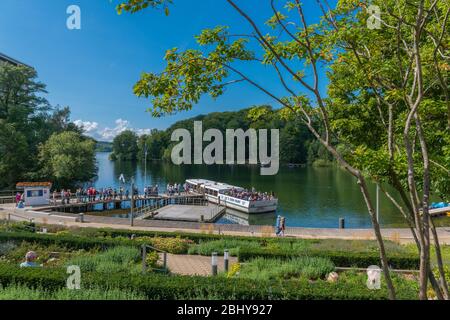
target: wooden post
165 261
132 204
341 223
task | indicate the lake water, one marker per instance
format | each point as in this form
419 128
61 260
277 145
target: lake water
308 197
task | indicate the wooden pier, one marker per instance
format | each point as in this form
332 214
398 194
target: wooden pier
77 206
184 212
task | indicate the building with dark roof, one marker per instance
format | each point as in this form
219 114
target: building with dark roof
5 58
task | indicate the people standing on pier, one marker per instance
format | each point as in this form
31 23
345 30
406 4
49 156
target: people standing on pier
278 225
18 196
67 196
62 194
21 204
283 226
54 197
78 194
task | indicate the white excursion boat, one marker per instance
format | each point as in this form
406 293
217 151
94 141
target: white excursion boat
233 197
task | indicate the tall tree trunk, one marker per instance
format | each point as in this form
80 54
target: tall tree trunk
442 281
376 227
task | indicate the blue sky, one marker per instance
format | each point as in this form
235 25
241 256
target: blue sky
93 70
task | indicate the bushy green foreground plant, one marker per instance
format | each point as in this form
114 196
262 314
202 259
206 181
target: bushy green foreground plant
118 259
156 286
20 226
21 292
271 269
175 245
206 248
48 255
6 247
246 248
339 258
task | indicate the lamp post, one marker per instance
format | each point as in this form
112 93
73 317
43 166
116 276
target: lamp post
145 164
225 260
132 203
214 263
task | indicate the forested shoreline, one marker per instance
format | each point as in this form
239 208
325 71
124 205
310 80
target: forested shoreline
296 143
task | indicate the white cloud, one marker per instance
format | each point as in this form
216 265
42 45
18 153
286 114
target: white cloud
94 130
86 125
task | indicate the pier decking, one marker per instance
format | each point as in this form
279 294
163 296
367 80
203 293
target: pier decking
192 213
77 206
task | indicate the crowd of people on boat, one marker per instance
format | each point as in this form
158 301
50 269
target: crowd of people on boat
250 195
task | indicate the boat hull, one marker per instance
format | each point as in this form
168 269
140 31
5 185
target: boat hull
244 205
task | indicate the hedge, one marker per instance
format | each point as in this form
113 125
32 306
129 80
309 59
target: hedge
155 286
196 237
339 258
69 241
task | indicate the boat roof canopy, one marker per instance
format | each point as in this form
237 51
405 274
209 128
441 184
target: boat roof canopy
212 184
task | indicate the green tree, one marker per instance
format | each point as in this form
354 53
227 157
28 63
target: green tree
125 146
403 66
26 121
68 158
14 152
155 144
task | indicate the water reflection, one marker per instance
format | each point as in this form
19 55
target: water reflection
308 197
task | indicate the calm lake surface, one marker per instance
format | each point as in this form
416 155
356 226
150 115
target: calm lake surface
308 197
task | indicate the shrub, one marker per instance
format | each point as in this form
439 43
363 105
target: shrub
49 254
65 241
21 292
6 247
117 259
339 258
152 259
273 269
23 226
234 270
171 245
155 286
233 246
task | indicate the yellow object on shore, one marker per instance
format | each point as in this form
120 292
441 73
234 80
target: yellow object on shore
448 213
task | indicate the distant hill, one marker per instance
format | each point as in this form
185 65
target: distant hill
103 146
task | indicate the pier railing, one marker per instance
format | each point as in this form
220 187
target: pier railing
8 196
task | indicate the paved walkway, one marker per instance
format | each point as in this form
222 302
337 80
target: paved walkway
402 235
194 265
